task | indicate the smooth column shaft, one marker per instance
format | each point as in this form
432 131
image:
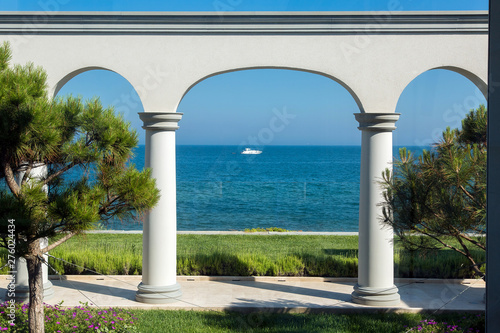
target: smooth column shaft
376 268
160 227
376 255
159 261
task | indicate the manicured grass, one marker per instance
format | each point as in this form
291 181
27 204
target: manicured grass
244 255
86 318
283 255
199 321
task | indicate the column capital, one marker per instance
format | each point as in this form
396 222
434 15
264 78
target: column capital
377 122
160 121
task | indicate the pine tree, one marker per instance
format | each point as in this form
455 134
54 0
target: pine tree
442 193
60 136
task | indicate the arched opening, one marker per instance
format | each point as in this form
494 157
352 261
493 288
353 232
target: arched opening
307 177
273 69
433 101
112 89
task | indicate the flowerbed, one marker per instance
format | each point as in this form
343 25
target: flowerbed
466 324
83 318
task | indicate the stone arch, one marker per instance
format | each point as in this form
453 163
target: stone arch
329 76
429 111
54 90
478 81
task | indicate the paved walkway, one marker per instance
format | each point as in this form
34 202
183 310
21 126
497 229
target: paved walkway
276 294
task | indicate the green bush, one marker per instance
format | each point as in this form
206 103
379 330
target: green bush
82 318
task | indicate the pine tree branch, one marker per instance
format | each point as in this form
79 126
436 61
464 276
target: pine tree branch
59 172
11 180
443 243
469 256
470 195
104 208
59 242
464 236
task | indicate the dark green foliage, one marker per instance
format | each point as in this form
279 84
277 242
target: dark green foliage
442 194
62 135
41 140
474 127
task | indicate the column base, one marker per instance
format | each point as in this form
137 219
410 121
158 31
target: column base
23 292
158 294
375 296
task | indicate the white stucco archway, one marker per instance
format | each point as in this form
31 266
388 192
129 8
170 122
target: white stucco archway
333 78
373 55
74 73
479 82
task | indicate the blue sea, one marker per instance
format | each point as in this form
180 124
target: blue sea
308 188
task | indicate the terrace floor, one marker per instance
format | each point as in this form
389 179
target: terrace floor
272 294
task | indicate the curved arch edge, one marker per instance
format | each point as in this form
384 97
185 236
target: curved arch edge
331 77
474 78
60 83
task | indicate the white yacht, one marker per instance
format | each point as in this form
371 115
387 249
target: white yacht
251 151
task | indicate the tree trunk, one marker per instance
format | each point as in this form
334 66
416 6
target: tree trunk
35 278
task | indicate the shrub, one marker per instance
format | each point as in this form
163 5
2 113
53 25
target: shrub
83 318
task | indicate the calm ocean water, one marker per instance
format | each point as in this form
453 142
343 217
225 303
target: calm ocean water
309 188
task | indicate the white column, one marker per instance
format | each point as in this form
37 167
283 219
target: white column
159 261
376 257
22 280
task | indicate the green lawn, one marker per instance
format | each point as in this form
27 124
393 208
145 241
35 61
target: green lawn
283 255
203 322
86 318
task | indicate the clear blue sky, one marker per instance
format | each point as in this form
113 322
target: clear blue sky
245 100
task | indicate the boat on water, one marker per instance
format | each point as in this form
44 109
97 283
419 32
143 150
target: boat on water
249 151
